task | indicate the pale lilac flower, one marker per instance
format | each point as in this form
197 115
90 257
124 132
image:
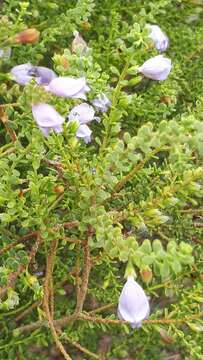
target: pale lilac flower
42 74
5 53
159 38
156 68
83 113
47 118
102 103
84 133
69 87
133 303
24 73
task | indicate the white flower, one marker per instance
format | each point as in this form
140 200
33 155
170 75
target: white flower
70 87
156 68
133 303
47 118
159 38
84 113
102 103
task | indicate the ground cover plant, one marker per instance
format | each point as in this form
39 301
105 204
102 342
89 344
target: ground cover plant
101 146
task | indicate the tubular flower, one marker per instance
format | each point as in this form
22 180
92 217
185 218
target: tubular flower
159 38
156 68
83 113
47 118
24 73
102 103
133 303
69 87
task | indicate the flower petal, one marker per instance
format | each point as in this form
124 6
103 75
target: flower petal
46 116
102 103
67 86
43 74
156 68
84 113
20 73
84 133
159 38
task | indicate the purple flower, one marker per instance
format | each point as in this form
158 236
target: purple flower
83 113
159 38
133 303
24 73
102 103
69 87
47 118
84 133
5 53
156 68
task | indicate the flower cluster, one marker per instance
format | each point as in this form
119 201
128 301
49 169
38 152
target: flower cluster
46 117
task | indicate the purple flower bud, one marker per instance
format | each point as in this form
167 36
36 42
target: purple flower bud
156 68
102 103
69 87
5 53
83 113
84 133
133 303
47 118
24 73
159 38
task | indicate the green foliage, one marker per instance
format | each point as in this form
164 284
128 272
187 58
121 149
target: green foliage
134 194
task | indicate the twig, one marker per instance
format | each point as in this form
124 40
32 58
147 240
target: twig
82 349
13 276
48 279
67 319
28 310
85 278
21 240
135 169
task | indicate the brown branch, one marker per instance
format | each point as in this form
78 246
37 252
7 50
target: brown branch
13 276
28 310
82 349
85 278
135 169
49 314
67 319
21 240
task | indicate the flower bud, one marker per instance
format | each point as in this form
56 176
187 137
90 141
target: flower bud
146 275
59 189
28 36
158 37
133 303
156 68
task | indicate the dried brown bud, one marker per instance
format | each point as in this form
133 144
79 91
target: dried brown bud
85 25
64 62
59 189
28 36
146 275
165 336
166 100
